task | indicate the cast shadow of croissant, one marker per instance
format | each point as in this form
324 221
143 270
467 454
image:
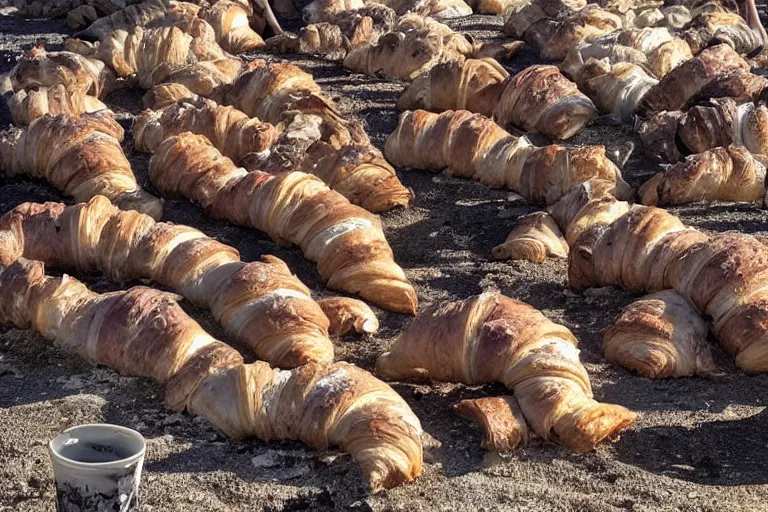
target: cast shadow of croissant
724 453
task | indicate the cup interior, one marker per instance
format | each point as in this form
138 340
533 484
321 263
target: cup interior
98 446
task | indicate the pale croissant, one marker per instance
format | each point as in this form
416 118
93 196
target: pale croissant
719 122
28 105
152 54
504 426
643 248
491 337
616 89
40 68
415 45
473 146
260 304
539 99
347 314
729 173
143 332
80 156
535 238
345 240
660 335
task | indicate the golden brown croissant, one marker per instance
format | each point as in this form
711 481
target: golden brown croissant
491 337
229 130
143 332
525 15
680 85
346 241
504 426
729 28
200 78
260 304
740 85
230 22
152 54
28 105
660 335
729 173
80 156
473 146
415 45
646 248
535 238
39 68
338 150
347 314
719 122
539 99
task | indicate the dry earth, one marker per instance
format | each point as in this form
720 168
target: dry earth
700 445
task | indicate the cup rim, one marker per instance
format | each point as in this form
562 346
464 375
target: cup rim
99 465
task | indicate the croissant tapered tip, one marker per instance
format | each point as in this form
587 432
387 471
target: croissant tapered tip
142 202
649 191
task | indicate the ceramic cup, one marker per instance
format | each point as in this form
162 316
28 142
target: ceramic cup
97 468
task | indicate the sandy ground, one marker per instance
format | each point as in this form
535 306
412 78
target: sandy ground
699 445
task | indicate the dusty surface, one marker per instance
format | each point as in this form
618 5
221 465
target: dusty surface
699 445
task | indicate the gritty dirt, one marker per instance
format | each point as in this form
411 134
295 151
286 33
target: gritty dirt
699 445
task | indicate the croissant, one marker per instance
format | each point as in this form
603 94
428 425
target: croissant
281 93
346 241
40 68
347 314
341 32
319 11
721 27
230 22
26 106
721 174
415 45
504 426
659 336
473 146
143 332
491 337
720 122
616 89
645 248
80 156
682 83
535 238
555 37
187 82
139 15
437 9
525 15
151 54
740 85
538 99
260 304
230 130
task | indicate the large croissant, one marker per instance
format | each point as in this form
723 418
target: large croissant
725 27
719 122
415 45
80 156
681 84
231 24
144 332
260 304
491 337
660 335
39 68
346 241
646 248
152 54
473 146
535 238
616 89
338 150
740 85
139 15
729 173
539 99
28 105
229 130
200 78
